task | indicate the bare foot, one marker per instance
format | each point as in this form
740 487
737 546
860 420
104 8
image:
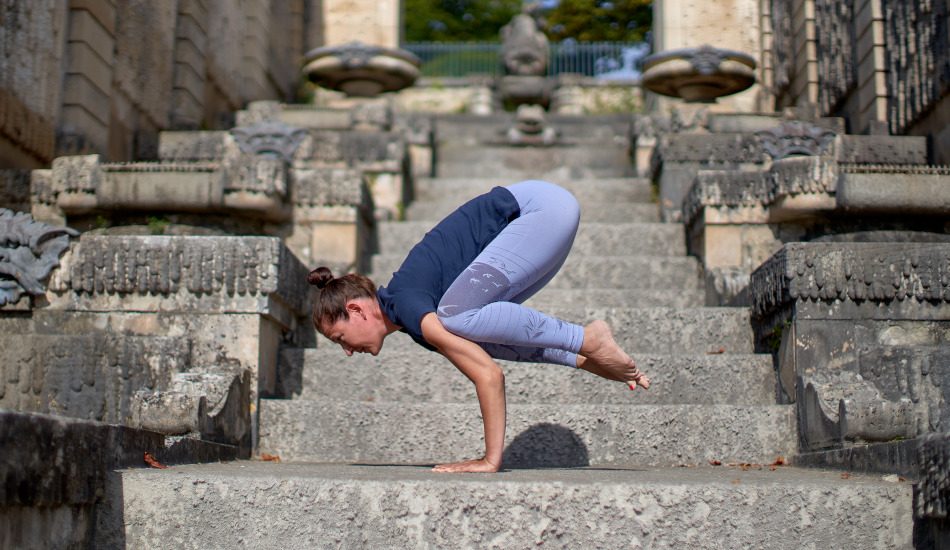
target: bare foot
604 357
477 466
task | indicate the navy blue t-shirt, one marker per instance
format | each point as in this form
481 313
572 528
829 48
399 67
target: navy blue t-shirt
437 260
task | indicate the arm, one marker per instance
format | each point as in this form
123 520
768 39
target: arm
489 382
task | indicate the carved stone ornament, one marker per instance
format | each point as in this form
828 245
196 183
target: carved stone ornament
361 70
530 127
269 139
698 74
29 251
795 137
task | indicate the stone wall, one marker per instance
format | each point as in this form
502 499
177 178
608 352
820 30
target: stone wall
98 76
374 22
882 64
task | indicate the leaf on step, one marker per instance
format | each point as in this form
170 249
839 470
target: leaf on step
270 458
715 462
780 461
719 351
736 481
845 475
150 460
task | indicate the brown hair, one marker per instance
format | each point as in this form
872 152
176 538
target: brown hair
330 304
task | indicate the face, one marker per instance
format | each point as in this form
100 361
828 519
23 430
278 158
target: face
361 333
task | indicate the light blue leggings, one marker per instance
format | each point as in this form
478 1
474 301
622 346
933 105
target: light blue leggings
483 304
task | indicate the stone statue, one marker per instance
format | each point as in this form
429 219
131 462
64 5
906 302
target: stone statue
524 49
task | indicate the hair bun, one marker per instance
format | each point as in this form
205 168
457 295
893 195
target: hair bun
320 277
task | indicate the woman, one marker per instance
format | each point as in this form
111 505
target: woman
459 292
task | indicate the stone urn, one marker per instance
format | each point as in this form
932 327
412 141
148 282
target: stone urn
698 74
361 70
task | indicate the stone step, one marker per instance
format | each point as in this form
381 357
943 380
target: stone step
421 376
537 435
659 330
604 212
593 239
676 273
266 505
603 190
456 159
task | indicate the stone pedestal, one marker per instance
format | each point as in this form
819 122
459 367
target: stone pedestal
859 332
129 314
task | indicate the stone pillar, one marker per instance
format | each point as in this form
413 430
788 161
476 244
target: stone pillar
726 24
373 22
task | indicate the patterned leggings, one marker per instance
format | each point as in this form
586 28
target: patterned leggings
483 304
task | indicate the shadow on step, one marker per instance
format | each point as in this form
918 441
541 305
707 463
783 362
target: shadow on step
546 446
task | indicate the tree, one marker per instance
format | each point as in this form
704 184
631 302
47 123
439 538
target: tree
457 20
599 20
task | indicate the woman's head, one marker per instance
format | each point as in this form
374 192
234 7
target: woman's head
347 312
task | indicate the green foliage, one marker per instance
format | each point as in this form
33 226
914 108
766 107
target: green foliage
157 225
457 20
599 20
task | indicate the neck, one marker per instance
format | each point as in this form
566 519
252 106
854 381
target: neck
391 327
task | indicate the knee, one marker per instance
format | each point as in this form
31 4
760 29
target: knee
456 324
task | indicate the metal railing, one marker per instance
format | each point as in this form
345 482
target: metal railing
596 59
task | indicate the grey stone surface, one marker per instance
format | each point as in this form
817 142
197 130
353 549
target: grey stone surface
902 194
656 330
15 190
390 432
593 238
615 212
599 272
276 506
600 190
420 376
557 161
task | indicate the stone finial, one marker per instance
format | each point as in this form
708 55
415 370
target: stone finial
29 251
524 49
269 139
795 137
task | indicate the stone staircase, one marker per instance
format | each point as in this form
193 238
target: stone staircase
689 463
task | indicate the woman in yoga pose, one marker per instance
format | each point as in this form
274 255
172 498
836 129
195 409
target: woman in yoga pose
459 292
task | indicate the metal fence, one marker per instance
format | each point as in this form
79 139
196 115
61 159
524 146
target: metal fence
596 59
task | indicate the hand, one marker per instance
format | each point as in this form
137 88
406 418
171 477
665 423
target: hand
480 465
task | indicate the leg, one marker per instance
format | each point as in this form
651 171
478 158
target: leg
483 304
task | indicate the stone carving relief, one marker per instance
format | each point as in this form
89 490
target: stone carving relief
269 139
934 483
795 137
918 58
835 37
524 49
29 251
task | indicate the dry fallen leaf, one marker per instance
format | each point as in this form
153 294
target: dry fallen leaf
715 462
270 458
780 461
736 481
845 475
150 460
716 352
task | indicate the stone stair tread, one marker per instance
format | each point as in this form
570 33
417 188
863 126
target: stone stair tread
654 330
619 211
421 376
597 272
268 505
593 238
537 435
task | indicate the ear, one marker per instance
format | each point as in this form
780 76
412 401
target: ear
353 307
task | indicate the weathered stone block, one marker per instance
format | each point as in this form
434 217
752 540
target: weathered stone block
858 330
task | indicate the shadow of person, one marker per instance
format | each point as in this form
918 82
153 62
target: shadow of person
546 446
